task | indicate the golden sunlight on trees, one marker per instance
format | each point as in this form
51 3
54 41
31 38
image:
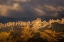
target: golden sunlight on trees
35 31
26 34
4 36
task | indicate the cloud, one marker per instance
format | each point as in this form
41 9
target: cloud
3 1
16 6
52 10
4 9
31 8
40 11
21 0
25 0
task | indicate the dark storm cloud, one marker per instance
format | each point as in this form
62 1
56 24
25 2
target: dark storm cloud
3 1
31 8
52 2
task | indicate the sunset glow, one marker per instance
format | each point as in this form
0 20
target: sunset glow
31 20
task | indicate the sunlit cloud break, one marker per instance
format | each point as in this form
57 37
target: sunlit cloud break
22 0
4 9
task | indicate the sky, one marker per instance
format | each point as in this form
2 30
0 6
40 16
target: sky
32 8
